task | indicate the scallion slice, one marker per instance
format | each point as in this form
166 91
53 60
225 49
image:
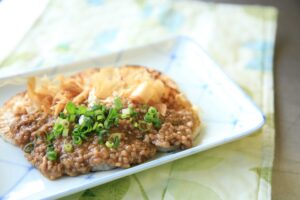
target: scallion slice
77 140
28 148
51 155
71 108
68 147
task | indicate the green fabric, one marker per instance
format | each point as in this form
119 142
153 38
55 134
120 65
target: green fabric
239 38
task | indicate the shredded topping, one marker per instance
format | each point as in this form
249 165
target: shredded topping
135 83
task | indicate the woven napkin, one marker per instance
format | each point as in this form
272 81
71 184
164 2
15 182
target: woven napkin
239 38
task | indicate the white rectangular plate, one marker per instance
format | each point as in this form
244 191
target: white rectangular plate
227 114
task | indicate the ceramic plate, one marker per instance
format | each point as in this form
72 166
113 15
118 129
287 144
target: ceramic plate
227 114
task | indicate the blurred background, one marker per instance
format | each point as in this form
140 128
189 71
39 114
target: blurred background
286 170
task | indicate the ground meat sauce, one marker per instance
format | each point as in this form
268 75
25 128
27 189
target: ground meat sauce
136 146
176 130
88 156
27 126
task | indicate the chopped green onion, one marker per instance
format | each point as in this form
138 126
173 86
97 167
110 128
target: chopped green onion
98 107
152 110
112 118
58 129
97 112
50 137
100 117
128 112
124 116
125 113
116 121
77 140
28 148
97 126
144 108
85 128
109 144
62 115
75 131
113 141
84 135
116 142
100 125
71 108
152 116
101 135
107 124
81 110
62 121
113 113
61 127
113 135
118 103
79 122
81 119
144 126
156 122
132 112
65 132
72 118
51 155
68 147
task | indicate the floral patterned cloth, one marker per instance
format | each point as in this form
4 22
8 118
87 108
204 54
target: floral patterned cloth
239 38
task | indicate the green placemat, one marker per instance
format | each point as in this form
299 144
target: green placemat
239 38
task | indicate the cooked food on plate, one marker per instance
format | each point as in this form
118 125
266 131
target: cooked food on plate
98 119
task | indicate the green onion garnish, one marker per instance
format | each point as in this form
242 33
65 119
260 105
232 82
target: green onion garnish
62 115
116 142
77 140
51 153
72 118
112 118
65 132
58 129
81 110
128 112
100 117
113 141
28 148
61 127
101 134
71 108
118 103
156 122
50 137
152 116
144 126
109 144
80 122
68 147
